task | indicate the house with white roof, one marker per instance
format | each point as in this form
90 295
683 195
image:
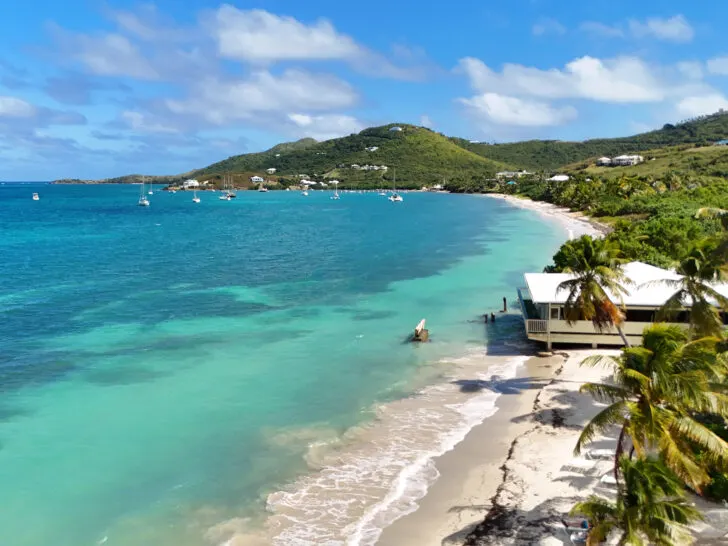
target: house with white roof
604 162
559 178
191 183
395 129
627 160
257 179
372 148
542 304
270 171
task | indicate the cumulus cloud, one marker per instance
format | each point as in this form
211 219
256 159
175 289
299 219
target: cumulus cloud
624 79
548 25
504 110
672 29
13 107
700 105
261 37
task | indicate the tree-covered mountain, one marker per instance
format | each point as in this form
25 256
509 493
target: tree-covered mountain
419 156
553 154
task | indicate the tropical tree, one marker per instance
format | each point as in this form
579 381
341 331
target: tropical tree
596 266
657 390
650 509
702 266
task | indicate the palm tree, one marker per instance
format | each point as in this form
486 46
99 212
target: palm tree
651 509
596 266
701 267
657 390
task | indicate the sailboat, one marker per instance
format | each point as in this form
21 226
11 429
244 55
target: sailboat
395 197
143 201
225 193
36 197
336 190
195 199
151 189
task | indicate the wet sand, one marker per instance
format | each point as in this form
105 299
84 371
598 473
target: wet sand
471 473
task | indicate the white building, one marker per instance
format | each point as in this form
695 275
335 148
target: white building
355 166
396 129
627 160
604 162
559 178
270 171
383 167
542 304
257 179
191 183
372 148
512 174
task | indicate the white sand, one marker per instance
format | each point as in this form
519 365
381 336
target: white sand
576 222
520 464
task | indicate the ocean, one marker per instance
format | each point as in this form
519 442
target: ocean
237 372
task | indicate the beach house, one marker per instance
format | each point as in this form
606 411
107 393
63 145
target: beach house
542 305
604 162
191 183
271 170
256 179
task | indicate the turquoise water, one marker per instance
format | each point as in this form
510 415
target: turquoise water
165 369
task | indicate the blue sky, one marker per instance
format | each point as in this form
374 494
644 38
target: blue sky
92 89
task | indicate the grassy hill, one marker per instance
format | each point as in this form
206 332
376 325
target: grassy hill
698 161
419 155
552 154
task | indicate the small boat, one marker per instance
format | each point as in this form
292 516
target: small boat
336 191
304 192
36 197
262 188
143 201
395 197
195 199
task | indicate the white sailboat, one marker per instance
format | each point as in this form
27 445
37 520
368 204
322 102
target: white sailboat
36 197
336 189
195 199
395 197
151 189
143 201
225 193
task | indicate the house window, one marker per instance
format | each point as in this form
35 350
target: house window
555 313
640 315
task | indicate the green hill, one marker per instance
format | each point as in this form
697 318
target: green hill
419 156
710 161
552 154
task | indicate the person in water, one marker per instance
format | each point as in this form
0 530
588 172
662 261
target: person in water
492 317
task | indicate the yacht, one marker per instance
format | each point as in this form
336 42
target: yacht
336 190
262 188
143 201
195 199
395 197
36 197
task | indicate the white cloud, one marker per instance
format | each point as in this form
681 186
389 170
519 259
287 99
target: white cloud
221 102
145 123
324 127
110 55
504 110
718 66
548 25
261 37
691 69
700 105
601 29
13 107
673 29
620 80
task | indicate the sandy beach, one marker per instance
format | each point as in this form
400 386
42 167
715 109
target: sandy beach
517 468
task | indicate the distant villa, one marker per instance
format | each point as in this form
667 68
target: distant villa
620 161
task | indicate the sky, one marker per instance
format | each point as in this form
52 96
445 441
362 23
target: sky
102 88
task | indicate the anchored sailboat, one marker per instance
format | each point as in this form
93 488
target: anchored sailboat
395 197
143 201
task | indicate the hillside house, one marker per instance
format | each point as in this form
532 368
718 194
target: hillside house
604 162
627 160
355 166
271 170
512 174
257 179
191 183
542 304
383 167
372 148
396 129
559 178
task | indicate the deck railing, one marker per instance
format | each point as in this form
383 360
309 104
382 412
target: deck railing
534 326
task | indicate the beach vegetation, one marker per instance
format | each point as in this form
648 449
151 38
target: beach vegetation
656 393
650 509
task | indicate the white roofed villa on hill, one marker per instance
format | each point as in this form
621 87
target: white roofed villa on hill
542 304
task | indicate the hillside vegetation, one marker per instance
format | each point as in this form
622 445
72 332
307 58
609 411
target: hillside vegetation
552 154
419 155
698 161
